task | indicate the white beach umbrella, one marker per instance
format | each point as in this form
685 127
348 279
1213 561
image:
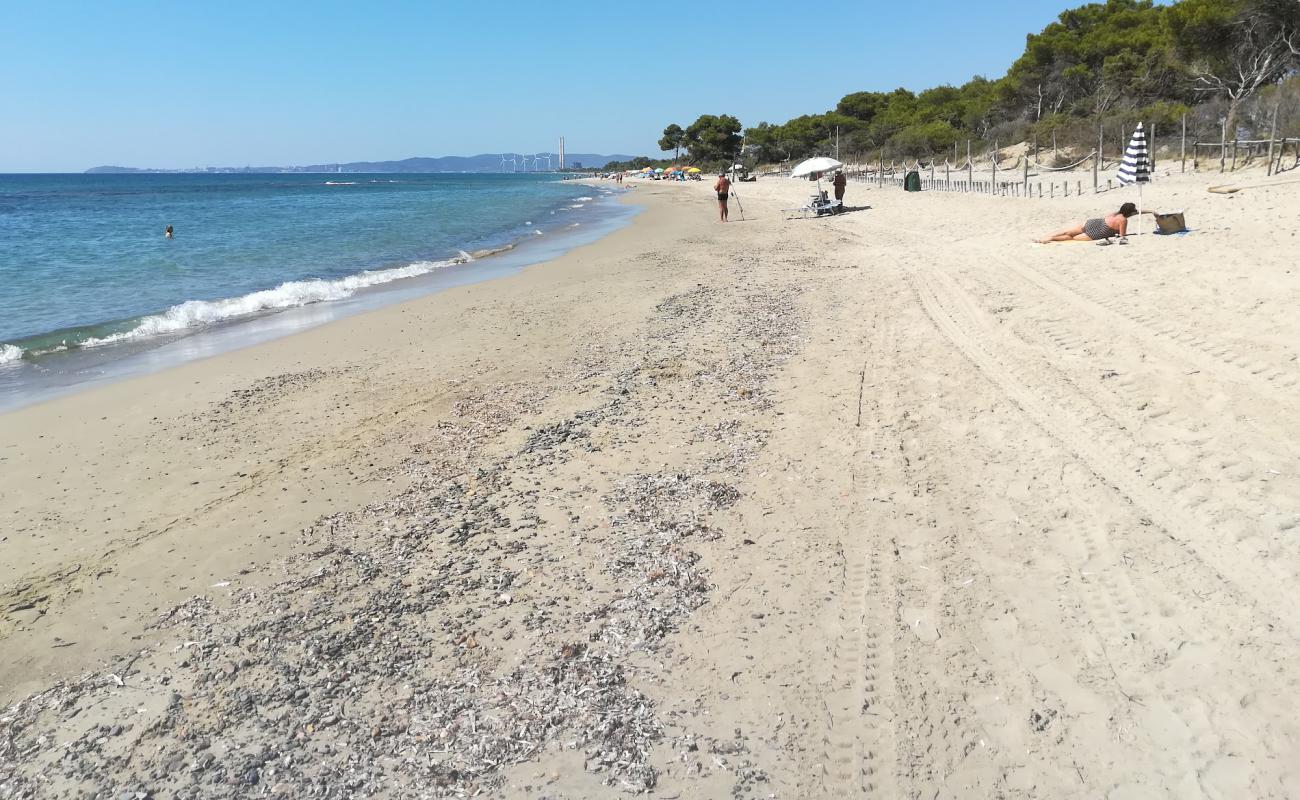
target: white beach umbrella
1136 166
818 164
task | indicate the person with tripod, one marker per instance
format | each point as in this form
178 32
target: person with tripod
723 188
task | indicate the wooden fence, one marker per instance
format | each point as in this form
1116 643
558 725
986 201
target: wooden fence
1025 176
1242 153
1019 177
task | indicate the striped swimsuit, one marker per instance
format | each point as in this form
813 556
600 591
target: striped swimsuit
1098 229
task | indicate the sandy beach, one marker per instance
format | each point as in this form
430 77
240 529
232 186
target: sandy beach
888 504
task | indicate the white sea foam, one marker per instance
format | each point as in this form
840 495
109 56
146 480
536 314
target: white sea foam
195 313
10 353
581 199
578 205
340 183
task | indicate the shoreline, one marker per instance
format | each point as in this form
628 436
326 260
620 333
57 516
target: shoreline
810 507
119 437
63 370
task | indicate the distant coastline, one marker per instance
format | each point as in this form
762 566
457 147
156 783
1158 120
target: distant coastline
485 162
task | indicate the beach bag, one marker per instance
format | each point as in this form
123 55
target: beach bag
1173 222
912 182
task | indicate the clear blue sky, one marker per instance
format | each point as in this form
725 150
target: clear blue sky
280 82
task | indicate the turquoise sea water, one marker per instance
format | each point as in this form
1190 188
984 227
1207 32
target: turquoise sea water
85 268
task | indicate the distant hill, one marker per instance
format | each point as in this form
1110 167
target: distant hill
487 162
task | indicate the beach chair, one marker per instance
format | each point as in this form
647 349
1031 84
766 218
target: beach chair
818 205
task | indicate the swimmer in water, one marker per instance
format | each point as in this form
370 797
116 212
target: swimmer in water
168 232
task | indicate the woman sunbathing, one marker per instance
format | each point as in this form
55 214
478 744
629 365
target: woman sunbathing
1098 228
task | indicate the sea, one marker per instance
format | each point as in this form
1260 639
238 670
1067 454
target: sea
91 289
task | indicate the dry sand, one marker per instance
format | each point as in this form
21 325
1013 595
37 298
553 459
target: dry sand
890 504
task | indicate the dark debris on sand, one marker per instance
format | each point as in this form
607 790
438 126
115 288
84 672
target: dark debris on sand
422 645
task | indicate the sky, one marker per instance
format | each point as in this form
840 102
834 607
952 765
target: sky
283 82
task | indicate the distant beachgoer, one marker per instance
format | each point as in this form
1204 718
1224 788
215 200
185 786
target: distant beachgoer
1098 228
723 188
839 183
168 232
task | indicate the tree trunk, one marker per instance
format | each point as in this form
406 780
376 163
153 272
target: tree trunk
1230 124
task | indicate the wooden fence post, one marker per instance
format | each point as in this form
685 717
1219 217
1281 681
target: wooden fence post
1234 155
970 167
1151 148
1272 134
1026 173
993 157
1223 148
1182 147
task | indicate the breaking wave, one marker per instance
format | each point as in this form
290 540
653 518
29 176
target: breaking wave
197 313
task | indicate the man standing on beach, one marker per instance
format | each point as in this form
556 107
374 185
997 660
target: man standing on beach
839 183
723 188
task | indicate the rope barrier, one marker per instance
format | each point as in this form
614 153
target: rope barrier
1069 166
1232 142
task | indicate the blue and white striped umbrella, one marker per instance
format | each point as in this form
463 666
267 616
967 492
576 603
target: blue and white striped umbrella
1136 167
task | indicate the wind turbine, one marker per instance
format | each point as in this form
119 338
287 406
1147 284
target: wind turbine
525 159
503 162
547 156
514 166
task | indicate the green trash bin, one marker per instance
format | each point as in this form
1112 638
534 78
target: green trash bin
912 182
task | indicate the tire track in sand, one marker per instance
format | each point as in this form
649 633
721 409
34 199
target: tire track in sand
1102 446
859 746
1227 466
1276 383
